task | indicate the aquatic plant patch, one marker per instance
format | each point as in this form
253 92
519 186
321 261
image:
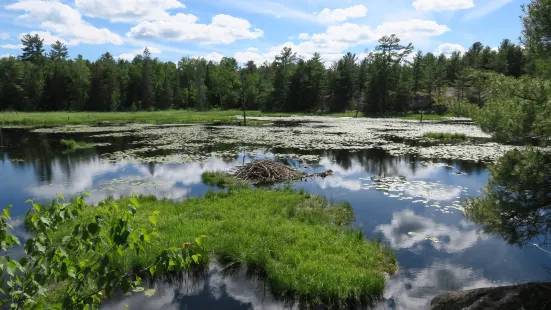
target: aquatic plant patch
301 243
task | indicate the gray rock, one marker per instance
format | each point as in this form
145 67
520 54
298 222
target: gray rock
524 296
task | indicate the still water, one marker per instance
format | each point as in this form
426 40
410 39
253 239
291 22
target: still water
412 203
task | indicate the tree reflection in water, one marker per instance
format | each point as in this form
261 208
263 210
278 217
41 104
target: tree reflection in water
516 203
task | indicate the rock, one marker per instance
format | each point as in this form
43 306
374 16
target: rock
516 297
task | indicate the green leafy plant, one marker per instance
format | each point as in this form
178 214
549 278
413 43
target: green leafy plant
80 267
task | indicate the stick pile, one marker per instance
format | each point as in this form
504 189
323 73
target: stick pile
266 171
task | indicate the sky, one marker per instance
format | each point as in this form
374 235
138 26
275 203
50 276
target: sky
255 29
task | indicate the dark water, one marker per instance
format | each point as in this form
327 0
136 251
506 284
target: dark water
437 248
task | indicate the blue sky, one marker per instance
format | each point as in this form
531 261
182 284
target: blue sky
255 29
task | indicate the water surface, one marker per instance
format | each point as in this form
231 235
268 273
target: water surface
410 199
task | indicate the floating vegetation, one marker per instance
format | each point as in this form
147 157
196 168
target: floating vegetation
433 239
445 136
431 194
396 136
74 145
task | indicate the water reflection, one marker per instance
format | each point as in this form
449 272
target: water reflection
211 291
516 204
437 251
410 231
414 288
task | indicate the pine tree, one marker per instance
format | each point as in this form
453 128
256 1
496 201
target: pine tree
147 94
58 51
33 49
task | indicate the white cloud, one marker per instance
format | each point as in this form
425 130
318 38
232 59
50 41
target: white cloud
127 10
413 289
448 48
341 15
412 28
332 43
304 36
49 38
223 29
443 5
12 46
130 56
252 49
6 56
489 7
272 8
408 230
214 56
64 21
4 36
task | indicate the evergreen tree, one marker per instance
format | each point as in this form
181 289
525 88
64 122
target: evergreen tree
147 95
33 49
58 51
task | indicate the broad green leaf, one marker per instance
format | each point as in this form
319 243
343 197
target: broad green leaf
87 194
199 241
156 212
138 289
36 207
195 258
7 213
134 202
152 270
28 200
153 220
149 292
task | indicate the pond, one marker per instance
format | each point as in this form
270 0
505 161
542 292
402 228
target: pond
404 192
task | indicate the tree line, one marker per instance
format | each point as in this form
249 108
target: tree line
391 78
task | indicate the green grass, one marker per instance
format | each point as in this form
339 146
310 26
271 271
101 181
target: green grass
445 136
164 117
72 145
299 242
220 179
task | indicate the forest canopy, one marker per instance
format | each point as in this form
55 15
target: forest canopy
391 78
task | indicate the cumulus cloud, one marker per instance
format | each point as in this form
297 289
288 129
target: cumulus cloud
341 15
214 56
127 10
408 230
448 48
130 56
64 21
304 36
49 38
12 46
443 5
224 29
4 36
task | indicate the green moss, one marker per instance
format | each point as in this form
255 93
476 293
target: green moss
72 145
300 243
445 136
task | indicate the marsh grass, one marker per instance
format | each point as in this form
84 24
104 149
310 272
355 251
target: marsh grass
220 179
168 117
300 243
72 145
445 136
